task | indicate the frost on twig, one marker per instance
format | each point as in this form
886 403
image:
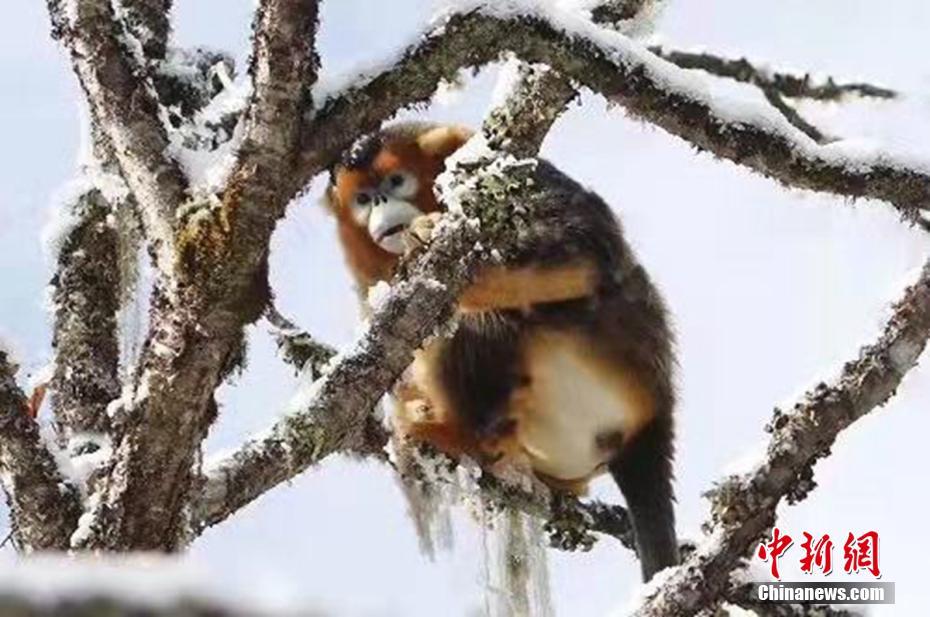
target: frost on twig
298 348
330 414
743 507
44 507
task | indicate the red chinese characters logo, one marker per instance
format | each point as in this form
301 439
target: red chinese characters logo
859 553
819 554
771 551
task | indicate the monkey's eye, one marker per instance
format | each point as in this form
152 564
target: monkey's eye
361 206
401 184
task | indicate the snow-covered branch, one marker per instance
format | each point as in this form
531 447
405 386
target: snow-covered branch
539 94
44 507
649 87
743 506
85 303
124 107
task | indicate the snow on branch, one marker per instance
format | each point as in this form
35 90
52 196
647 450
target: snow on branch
743 506
125 108
536 94
44 508
628 74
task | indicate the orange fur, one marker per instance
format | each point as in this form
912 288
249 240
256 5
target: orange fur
500 287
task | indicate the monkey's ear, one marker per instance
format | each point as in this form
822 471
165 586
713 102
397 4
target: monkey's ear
442 141
330 199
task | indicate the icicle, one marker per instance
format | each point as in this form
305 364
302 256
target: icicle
516 570
430 489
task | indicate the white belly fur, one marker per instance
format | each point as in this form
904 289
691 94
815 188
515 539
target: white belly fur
572 398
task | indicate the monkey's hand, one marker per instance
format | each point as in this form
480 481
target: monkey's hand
420 232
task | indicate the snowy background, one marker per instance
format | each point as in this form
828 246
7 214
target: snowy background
771 289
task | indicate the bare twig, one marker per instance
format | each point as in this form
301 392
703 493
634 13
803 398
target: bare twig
792 116
45 508
785 84
775 85
743 507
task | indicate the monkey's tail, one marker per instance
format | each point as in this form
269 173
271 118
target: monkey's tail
643 471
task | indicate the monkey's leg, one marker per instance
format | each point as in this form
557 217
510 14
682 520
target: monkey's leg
643 471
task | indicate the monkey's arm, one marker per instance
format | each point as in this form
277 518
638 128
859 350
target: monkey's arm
502 287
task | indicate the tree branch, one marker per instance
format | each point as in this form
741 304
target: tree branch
195 337
86 300
626 73
791 115
126 110
785 84
45 508
743 507
775 85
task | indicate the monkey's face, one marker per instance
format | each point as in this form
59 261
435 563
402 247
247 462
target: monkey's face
382 199
382 184
387 182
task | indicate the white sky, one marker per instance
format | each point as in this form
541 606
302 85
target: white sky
770 290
